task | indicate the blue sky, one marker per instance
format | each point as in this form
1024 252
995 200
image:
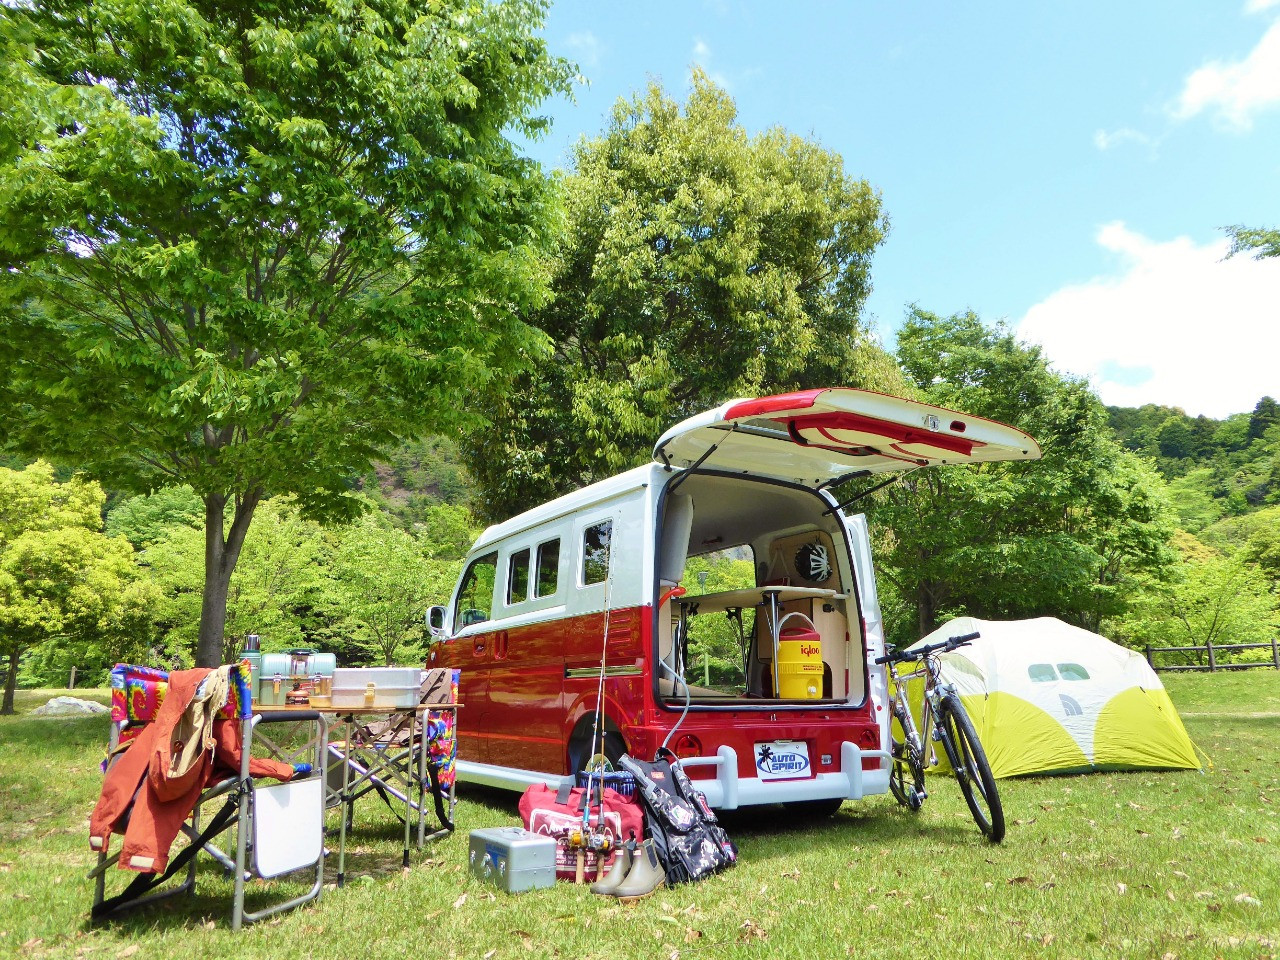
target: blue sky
1066 168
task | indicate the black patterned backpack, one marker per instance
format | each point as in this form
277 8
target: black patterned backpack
689 839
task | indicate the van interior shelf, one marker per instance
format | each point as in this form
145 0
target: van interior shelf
755 597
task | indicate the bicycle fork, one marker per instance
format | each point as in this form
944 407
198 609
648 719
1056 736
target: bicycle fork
914 746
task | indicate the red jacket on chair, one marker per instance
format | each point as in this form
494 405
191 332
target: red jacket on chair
137 784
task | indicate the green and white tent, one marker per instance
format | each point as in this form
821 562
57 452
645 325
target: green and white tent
1047 697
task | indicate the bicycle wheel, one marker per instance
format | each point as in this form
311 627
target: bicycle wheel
906 779
969 761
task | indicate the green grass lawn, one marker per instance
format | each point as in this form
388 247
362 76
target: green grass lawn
1158 865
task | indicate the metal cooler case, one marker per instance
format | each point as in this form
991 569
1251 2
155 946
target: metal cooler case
513 859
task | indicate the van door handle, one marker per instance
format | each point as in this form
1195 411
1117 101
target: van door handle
477 648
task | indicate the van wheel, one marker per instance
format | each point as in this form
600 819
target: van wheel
613 749
814 809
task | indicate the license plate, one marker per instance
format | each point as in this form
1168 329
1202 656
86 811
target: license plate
783 760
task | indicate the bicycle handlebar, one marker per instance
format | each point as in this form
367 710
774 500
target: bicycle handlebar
919 653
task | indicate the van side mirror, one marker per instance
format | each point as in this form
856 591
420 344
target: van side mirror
435 622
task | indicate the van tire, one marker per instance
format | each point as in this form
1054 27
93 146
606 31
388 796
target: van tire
814 809
613 747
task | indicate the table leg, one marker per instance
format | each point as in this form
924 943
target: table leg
773 629
342 806
421 720
408 800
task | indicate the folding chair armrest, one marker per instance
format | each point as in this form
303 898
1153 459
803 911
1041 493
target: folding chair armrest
288 716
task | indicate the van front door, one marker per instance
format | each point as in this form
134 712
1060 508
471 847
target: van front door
471 649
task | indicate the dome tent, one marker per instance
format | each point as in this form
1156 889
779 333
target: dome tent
1047 697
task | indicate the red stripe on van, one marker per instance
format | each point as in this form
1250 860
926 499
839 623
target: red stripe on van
881 428
782 401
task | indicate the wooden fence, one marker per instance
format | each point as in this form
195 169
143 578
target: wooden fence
1210 652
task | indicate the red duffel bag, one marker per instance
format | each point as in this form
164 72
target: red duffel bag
543 811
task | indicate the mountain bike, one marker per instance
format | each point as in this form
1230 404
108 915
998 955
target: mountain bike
945 717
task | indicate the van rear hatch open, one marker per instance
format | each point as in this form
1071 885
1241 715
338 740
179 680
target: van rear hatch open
816 437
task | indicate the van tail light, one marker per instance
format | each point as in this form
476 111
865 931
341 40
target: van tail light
687 746
869 738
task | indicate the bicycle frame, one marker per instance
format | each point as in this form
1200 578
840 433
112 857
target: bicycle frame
934 690
948 723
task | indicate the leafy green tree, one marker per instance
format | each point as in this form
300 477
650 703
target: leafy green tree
1260 242
714 644
387 585
1062 536
147 519
1262 548
1265 415
1175 438
1210 597
249 248
446 533
62 582
277 570
417 477
699 263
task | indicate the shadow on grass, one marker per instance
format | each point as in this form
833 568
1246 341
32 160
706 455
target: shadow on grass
770 833
209 902
499 802
765 830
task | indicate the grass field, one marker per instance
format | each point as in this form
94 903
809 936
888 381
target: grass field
1181 865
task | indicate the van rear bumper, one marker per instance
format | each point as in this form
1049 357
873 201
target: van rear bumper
728 791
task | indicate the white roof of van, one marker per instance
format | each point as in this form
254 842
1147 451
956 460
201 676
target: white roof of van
574 502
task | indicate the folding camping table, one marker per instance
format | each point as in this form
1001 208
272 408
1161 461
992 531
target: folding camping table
377 762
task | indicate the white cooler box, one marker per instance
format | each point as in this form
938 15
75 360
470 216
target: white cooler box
391 686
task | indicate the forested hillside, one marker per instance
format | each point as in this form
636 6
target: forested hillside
1216 469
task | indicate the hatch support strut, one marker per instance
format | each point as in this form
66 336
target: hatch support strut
866 493
697 463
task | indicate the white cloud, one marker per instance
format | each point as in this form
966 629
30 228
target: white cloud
1175 324
1106 139
1257 6
702 58
585 47
1237 91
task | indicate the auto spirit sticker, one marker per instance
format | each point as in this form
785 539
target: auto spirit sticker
783 760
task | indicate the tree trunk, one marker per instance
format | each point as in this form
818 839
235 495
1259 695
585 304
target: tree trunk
926 612
10 683
221 551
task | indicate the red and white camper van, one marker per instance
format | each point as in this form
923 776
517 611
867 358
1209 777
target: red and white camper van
598 579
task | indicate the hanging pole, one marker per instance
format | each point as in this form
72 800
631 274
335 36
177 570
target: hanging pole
588 839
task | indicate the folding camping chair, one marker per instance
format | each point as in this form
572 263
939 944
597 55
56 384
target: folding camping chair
279 828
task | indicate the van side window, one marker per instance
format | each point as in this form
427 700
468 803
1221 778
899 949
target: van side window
476 596
518 577
595 552
548 568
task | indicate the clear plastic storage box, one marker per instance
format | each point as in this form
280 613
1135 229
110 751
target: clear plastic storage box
376 687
